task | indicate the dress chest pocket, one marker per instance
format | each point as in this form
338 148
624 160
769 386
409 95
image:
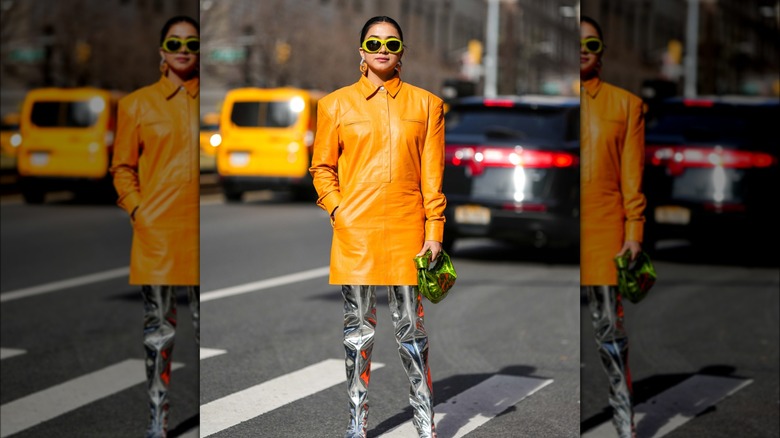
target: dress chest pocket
167 159
612 129
413 130
355 132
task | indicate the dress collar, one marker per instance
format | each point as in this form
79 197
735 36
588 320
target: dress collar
170 89
592 86
368 89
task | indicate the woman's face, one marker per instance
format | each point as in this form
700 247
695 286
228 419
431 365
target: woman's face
182 63
382 62
588 61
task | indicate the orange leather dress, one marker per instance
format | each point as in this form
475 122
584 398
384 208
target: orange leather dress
612 204
379 157
156 168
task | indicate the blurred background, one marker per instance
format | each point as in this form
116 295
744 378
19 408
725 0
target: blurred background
703 344
72 328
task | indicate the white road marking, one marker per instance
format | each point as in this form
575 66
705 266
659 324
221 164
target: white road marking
50 403
676 406
252 402
206 353
64 284
5 353
193 433
264 284
476 406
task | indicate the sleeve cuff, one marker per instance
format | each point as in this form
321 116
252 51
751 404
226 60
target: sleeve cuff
434 230
130 202
330 201
634 231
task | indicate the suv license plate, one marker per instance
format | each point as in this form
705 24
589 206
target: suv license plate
472 214
672 214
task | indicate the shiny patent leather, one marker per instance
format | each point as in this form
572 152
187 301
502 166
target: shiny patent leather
379 157
156 173
612 141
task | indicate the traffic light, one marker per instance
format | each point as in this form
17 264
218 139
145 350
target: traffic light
282 52
475 51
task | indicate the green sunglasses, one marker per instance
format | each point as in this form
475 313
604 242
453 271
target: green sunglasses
174 44
373 44
592 45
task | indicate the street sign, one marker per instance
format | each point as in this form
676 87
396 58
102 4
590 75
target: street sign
28 54
227 55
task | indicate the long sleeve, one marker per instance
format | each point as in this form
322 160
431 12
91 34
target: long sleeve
631 169
432 171
324 163
124 165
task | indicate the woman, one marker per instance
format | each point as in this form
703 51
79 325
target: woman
156 174
377 167
612 222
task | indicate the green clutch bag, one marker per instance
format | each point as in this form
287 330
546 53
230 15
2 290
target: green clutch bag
435 279
635 278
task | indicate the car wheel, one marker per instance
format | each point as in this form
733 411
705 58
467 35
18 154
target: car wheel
233 195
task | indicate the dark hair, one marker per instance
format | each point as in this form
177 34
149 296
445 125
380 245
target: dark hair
174 20
592 22
380 19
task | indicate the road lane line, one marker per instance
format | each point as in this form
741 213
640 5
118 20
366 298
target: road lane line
252 402
676 406
206 353
50 403
5 353
64 284
476 406
264 284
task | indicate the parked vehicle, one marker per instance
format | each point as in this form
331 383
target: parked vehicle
267 140
512 170
67 138
711 169
9 134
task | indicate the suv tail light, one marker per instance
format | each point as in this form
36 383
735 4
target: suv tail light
479 157
678 158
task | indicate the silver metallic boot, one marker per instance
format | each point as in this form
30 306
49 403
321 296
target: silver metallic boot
359 329
606 311
408 317
159 331
193 295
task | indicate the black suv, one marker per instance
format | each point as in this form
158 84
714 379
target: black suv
512 170
711 169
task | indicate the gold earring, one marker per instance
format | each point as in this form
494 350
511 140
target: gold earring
163 67
363 66
398 67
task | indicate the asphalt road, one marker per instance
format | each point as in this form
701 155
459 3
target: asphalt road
512 315
72 362
708 330
507 355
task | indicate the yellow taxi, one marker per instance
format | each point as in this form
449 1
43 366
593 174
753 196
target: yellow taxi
67 138
9 140
210 140
267 138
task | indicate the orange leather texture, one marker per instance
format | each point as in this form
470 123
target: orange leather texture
612 141
156 168
379 157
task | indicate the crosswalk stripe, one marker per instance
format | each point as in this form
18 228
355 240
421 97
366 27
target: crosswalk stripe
264 284
64 284
676 406
5 353
252 402
476 406
194 433
49 403
206 353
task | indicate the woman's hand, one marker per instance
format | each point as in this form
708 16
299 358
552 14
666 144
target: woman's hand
434 246
633 246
